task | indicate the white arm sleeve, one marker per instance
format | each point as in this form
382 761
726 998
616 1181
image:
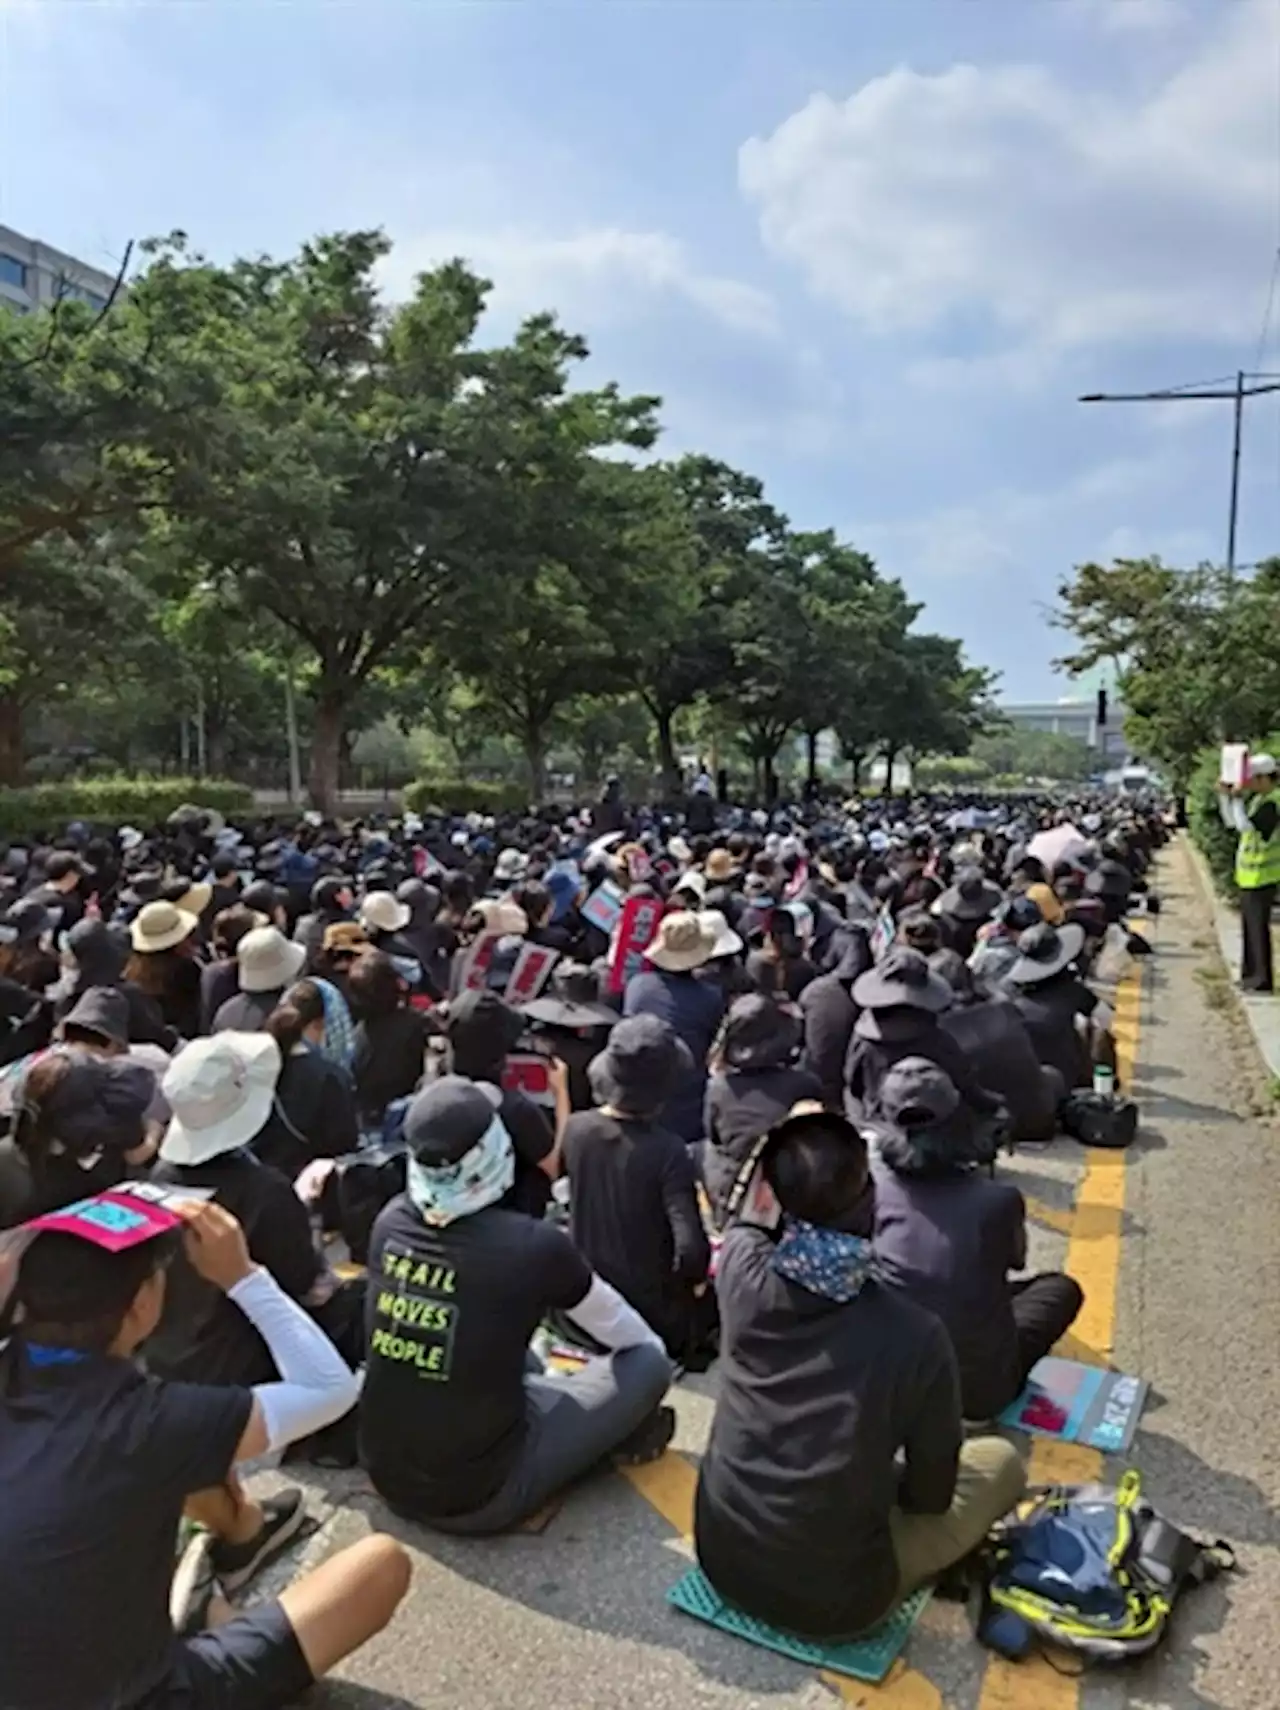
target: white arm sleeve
315 1386
604 1314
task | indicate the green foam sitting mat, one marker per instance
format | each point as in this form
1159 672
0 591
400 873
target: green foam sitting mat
869 1658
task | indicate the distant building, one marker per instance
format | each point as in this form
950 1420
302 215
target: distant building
34 275
1078 718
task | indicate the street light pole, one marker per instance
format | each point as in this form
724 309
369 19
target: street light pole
1261 383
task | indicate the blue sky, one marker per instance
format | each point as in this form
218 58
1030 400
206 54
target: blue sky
870 250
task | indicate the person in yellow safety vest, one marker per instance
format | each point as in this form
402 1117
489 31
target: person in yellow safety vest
1258 870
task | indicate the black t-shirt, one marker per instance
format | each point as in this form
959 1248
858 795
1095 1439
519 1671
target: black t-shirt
202 1334
635 1215
1050 1010
95 1464
313 1114
816 1399
743 1104
389 1058
533 1139
450 1314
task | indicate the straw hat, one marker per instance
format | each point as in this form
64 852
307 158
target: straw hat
684 941
720 866
161 925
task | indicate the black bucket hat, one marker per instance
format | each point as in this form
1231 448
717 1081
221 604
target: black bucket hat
902 980
102 1011
640 1067
26 922
759 1034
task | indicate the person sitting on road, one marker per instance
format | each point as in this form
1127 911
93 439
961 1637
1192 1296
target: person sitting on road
963 907
390 1037
81 1127
755 1084
947 1236
220 1091
692 1008
481 1031
1068 1023
458 1285
989 1029
997 947
267 965
98 1463
901 1002
634 1202
803 1518
829 1014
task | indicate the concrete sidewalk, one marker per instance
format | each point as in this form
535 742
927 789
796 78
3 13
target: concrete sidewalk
1262 1010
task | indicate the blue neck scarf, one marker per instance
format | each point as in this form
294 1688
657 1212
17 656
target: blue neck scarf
825 1262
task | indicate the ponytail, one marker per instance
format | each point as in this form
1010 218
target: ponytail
300 1008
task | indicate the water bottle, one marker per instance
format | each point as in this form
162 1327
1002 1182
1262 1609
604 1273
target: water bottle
1104 1082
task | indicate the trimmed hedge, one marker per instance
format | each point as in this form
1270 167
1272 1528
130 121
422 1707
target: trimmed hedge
143 802
1216 841
465 795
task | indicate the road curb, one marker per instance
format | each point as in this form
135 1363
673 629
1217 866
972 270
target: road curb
1262 1012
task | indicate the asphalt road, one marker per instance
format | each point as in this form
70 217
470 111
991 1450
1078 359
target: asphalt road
1178 1244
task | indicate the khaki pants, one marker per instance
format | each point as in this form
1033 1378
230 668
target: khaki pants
989 1483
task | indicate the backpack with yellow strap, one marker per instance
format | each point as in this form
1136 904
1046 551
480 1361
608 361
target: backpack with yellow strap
1091 1572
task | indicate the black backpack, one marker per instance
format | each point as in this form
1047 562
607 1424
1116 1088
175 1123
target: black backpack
1097 1120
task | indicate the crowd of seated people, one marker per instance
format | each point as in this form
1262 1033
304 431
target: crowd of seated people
762 1135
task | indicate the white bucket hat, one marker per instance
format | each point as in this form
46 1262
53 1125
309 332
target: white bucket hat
220 1091
268 961
159 926
383 912
727 943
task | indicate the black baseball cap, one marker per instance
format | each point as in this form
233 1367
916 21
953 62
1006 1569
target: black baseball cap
448 1117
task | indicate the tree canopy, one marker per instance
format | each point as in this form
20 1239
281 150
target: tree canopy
240 480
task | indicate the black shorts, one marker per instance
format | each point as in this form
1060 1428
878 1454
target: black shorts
253 1663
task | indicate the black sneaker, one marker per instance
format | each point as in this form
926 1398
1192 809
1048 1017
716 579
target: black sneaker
282 1519
649 1439
193 1587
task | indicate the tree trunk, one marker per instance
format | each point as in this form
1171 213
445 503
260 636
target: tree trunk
890 755
855 766
535 753
326 751
11 755
770 783
665 720
811 744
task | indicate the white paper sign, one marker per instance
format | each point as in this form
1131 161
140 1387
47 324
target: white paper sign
1233 771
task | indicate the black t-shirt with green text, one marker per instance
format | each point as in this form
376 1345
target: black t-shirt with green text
450 1314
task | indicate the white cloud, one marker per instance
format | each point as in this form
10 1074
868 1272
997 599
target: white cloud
1065 216
1138 17
603 271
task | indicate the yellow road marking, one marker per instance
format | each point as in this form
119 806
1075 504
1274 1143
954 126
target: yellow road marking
1093 1259
1048 1216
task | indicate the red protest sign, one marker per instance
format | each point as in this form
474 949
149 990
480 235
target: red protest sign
473 965
529 975
637 929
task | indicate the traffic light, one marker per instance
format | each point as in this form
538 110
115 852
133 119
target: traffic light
1102 709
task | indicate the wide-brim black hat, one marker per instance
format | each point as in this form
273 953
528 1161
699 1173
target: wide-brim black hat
1044 951
970 898
902 980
